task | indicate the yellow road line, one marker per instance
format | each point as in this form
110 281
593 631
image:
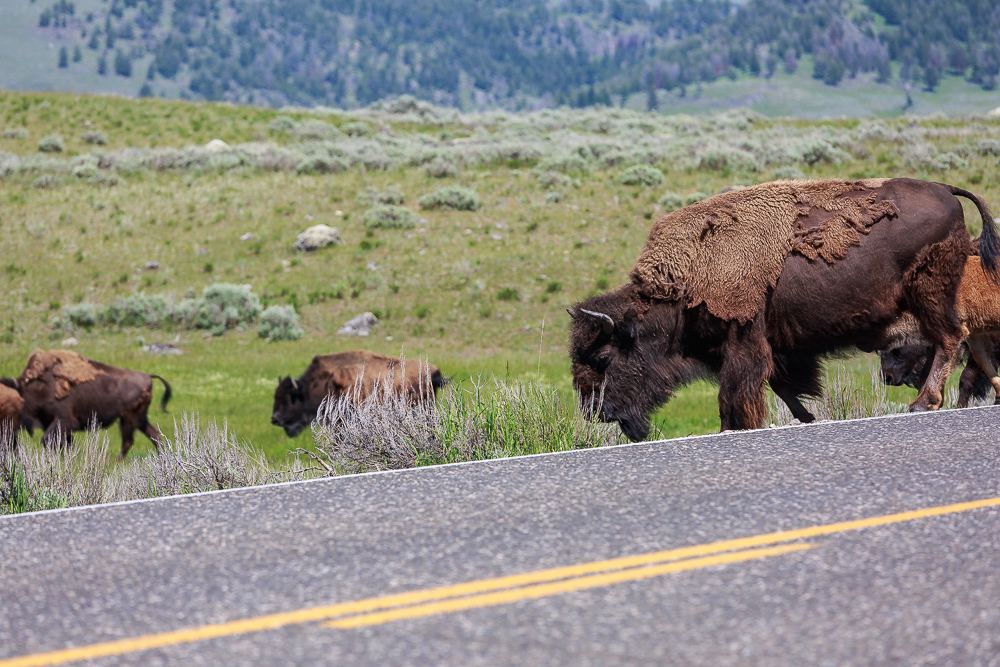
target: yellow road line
272 621
560 587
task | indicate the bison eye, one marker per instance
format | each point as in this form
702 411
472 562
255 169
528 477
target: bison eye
602 361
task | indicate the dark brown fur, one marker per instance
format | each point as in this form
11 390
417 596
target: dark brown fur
353 374
911 261
114 394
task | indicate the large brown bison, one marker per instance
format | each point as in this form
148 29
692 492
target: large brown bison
354 374
64 393
758 285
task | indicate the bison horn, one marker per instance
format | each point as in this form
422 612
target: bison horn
295 385
609 324
572 315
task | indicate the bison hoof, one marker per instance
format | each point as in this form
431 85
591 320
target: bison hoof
918 408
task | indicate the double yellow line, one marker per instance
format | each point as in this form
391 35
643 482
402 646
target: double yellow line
501 590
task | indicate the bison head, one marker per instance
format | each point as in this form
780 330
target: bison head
906 363
627 357
290 411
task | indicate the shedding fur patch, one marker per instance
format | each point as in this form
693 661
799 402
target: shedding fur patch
68 368
11 406
729 250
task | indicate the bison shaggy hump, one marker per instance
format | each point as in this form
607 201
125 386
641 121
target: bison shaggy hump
729 250
68 367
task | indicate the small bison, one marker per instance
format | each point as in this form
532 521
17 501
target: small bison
11 409
64 393
354 374
907 352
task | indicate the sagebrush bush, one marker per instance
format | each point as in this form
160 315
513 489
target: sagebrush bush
695 197
280 323
322 164
490 419
455 197
441 168
45 182
642 174
572 163
391 195
138 310
788 173
81 315
95 138
15 133
387 216
51 144
196 459
282 124
671 202
356 129
316 130
553 179
226 306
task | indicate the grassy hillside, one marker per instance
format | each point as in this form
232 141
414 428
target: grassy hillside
469 290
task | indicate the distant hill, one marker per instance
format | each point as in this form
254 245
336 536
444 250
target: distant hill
483 53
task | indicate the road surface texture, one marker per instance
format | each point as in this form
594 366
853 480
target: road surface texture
870 542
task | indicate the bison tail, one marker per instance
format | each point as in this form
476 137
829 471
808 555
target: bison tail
167 393
439 381
989 242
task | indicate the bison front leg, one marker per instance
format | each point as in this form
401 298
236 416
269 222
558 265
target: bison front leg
978 345
57 435
931 394
746 366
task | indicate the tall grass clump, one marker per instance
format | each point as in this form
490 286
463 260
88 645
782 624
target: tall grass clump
196 459
280 323
455 197
485 420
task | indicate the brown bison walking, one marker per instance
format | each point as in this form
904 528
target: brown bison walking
758 285
354 374
65 393
906 357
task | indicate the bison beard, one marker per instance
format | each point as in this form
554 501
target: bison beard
910 257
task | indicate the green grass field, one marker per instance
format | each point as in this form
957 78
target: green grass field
470 291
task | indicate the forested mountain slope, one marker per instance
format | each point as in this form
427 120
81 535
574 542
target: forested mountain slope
513 53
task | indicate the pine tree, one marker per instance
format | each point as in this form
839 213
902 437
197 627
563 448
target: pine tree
102 65
651 102
77 54
63 57
123 65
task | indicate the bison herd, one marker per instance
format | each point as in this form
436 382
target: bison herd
753 287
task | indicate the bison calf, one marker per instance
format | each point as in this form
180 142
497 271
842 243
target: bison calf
905 356
354 374
64 393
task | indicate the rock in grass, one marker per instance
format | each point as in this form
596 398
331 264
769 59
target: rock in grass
217 146
316 237
359 326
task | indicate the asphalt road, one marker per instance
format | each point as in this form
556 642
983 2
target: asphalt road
658 553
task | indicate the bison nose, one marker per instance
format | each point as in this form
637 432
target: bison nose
274 419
